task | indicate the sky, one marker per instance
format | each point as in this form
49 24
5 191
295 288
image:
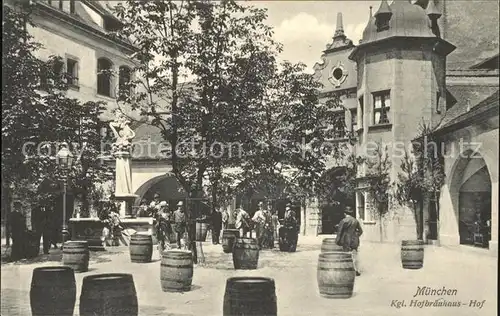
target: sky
306 27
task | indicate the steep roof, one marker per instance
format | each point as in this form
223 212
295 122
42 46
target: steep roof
486 108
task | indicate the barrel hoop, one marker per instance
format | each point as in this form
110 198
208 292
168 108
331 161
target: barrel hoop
176 266
336 269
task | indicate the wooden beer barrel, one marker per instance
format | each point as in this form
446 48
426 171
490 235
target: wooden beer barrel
228 237
412 254
176 273
288 238
250 296
76 255
108 295
201 231
245 253
53 291
336 275
329 245
141 248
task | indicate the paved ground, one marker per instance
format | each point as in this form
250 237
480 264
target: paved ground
377 291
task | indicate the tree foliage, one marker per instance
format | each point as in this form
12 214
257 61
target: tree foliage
421 176
291 131
38 116
378 167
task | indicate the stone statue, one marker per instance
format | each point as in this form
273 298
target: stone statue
123 133
121 149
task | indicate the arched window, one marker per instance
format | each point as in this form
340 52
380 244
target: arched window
125 78
104 68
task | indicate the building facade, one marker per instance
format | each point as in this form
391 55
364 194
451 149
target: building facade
432 60
407 74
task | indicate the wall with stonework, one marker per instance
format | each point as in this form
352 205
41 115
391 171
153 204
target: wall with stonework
484 139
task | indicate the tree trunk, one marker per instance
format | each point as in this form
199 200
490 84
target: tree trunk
381 228
7 203
419 213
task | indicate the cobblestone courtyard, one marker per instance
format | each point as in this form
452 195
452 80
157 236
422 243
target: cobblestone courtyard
382 287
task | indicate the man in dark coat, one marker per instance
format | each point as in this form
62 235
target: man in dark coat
348 235
17 222
216 226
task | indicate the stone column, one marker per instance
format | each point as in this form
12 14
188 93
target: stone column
448 233
311 224
493 244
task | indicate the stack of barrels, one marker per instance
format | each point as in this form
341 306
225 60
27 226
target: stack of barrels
53 292
336 273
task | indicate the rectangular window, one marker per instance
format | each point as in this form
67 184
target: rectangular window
354 120
381 107
438 102
72 71
339 125
361 112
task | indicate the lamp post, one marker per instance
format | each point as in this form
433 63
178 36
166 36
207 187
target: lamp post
64 160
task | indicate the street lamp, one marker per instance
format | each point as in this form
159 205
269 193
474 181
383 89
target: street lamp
64 160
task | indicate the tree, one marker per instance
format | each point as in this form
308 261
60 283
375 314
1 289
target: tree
379 183
37 116
422 175
291 131
226 49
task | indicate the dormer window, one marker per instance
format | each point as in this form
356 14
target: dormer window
383 16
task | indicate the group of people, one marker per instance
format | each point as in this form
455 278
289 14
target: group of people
168 223
43 225
264 223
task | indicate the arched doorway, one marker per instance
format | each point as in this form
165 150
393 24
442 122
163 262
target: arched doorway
272 192
334 196
166 186
472 180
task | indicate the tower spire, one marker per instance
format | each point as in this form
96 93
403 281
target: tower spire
339 31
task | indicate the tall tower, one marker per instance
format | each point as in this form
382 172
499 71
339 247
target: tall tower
401 65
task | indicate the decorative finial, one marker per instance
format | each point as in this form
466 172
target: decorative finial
339 31
434 14
371 14
432 10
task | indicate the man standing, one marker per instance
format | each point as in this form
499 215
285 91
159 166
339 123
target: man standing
225 219
179 223
242 224
348 235
17 222
275 225
216 226
259 219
